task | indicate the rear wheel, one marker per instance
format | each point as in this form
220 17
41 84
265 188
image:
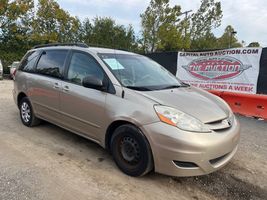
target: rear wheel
131 151
26 113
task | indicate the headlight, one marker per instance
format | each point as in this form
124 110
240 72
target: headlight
180 119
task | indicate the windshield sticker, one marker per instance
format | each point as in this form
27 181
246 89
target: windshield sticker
113 63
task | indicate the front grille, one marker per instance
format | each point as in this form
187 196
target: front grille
219 125
185 164
215 122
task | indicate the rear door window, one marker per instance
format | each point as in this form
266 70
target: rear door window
52 62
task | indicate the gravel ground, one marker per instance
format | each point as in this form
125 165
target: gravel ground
47 162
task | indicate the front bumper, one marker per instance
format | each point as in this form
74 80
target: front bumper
181 153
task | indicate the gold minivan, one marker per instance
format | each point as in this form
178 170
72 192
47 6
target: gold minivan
130 105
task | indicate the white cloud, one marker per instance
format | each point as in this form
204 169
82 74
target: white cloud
246 16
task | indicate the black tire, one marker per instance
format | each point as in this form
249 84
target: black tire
131 151
27 114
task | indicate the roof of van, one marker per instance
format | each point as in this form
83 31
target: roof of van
91 49
107 50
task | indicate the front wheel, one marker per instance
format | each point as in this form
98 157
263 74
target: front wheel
131 151
26 113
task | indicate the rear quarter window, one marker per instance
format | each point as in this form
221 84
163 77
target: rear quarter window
27 64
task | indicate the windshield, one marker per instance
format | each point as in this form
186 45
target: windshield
139 72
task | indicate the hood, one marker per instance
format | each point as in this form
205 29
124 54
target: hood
198 103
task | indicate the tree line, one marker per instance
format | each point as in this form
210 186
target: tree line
163 28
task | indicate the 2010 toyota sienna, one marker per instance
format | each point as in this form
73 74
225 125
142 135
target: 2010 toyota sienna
128 104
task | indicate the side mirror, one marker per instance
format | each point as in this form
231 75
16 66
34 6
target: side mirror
93 82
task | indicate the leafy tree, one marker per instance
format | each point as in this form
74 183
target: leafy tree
10 11
53 24
105 32
169 33
14 29
86 31
254 44
13 22
207 17
207 41
160 27
228 39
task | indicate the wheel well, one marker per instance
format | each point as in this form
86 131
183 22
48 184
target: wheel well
111 130
20 96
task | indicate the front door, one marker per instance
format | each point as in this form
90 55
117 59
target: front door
83 108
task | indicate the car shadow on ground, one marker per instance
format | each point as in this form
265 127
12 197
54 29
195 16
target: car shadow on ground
224 185
220 184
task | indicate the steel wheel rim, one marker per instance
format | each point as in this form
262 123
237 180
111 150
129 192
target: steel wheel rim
130 150
25 112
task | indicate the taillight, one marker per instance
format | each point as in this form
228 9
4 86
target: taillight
14 73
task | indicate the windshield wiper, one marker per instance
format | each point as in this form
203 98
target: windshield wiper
171 87
185 84
138 88
175 86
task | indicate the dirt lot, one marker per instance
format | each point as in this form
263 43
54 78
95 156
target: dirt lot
47 162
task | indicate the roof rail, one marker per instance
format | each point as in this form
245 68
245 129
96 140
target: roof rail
61 44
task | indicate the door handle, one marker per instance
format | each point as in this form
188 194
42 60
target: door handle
66 88
56 85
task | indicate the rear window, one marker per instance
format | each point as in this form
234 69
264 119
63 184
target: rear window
28 62
51 63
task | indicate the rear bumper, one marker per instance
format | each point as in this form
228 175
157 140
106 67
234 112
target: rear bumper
14 96
180 153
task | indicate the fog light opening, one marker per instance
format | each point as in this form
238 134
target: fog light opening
182 164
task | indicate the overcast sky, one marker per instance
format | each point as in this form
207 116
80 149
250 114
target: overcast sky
248 17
